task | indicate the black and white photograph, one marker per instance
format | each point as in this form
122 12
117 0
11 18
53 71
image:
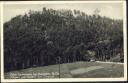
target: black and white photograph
63 40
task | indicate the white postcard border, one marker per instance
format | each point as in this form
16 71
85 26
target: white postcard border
66 79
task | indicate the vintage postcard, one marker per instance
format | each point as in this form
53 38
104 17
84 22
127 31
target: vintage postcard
46 41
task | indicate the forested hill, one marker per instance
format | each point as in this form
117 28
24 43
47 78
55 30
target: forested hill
50 36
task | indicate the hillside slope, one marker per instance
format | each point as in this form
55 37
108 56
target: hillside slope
70 70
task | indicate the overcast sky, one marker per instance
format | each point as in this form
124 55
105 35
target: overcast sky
112 10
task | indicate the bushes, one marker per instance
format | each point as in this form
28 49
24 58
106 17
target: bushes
40 37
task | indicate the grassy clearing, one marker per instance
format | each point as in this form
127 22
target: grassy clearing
52 71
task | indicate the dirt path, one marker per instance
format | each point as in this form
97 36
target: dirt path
109 62
84 70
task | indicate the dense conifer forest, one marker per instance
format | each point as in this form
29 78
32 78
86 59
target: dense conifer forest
47 37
